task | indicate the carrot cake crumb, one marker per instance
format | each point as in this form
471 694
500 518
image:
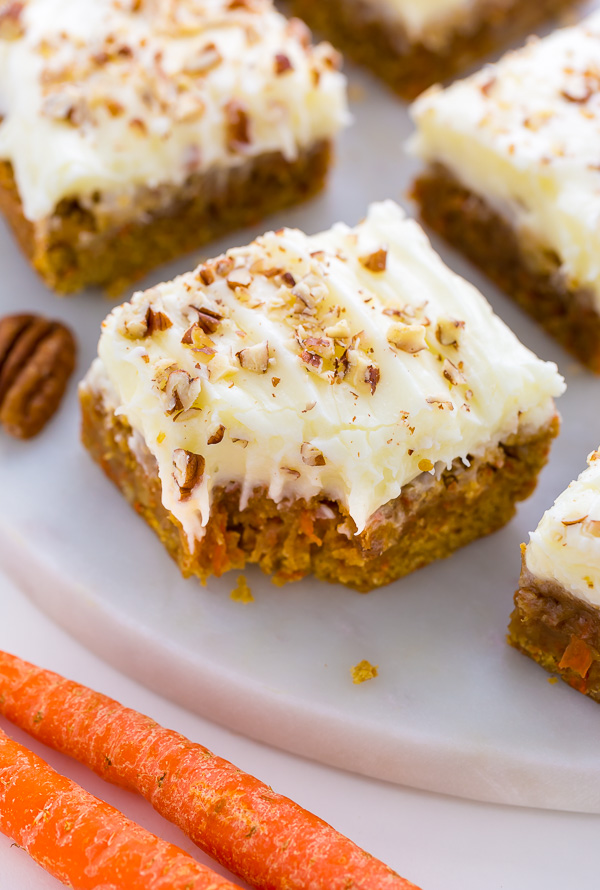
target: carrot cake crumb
364 670
241 593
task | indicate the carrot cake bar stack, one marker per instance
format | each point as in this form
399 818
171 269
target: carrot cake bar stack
411 44
513 178
556 620
340 403
135 130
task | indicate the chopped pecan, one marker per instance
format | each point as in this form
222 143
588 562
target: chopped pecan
448 331
288 279
311 455
312 360
375 262
209 319
188 471
407 338
238 126
372 377
299 31
223 266
239 278
156 321
255 358
203 60
206 275
217 436
452 373
282 63
592 527
11 23
37 357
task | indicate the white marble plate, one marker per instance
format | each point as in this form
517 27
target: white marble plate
453 709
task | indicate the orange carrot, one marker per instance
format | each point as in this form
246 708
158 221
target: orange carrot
82 841
577 656
257 834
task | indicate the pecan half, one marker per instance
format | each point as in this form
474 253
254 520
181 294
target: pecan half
37 357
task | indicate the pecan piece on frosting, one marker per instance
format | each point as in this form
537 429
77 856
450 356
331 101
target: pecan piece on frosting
238 126
255 358
376 261
156 321
188 470
11 23
37 357
311 456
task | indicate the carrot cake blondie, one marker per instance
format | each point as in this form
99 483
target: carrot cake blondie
513 178
340 403
132 131
411 44
556 620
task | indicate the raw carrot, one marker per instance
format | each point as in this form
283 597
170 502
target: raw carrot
265 838
82 841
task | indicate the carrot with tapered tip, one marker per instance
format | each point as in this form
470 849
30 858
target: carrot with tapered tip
265 838
81 840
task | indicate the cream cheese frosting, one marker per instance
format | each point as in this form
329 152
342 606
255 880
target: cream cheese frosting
434 22
525 135
343 364
565 547
103 96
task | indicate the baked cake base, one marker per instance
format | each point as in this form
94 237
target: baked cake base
430 519
85 243
363 30
526 272
559 631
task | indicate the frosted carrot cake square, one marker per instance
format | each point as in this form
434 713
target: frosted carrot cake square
513 178
556 620
339 403
411 44
133 131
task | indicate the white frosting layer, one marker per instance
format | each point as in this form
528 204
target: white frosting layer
525 135
319 371
106 95
434 22
565 547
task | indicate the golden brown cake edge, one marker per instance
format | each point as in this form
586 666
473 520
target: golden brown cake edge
73 249
292 540
357 28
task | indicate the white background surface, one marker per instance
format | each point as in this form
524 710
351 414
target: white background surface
439 842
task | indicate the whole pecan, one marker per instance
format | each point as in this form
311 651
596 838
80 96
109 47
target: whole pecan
37 357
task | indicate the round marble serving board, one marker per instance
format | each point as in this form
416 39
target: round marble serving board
453 709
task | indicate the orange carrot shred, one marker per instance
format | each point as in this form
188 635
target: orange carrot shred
577 657
307 527
265 838
82 841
